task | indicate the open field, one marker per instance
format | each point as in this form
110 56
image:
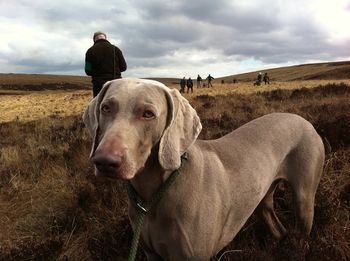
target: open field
31 106
53 208
34 105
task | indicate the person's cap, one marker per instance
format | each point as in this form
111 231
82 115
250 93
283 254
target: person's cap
99 35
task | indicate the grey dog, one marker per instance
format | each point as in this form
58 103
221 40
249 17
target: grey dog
140 129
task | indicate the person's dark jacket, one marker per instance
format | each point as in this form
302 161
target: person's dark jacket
99 61
189 83
183 83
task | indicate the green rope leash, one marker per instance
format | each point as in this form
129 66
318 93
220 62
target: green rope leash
144 207
136 237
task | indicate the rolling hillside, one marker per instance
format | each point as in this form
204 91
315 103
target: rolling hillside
317 71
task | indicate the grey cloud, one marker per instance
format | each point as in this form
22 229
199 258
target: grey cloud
226 26
153 33
145 49
221 13
40 64
252 34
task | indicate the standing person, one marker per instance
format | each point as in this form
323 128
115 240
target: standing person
209 78
259 79
199 81
266 78
189 85
182 85
103 62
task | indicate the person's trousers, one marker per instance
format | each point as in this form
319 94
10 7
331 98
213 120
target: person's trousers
96 88
97 85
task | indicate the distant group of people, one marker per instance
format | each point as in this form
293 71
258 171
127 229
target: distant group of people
262 78
184 83
200 83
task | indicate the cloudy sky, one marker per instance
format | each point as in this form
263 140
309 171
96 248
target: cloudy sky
173 38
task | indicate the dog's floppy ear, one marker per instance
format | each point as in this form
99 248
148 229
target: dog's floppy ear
91 116
182 130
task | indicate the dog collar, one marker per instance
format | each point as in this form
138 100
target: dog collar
144 206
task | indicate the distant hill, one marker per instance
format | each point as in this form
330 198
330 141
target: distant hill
166 81
312 71
40 82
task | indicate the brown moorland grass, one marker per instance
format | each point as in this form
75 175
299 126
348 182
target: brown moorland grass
29 106
53 208
33 105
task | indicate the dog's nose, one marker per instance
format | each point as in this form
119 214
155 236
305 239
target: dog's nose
107 163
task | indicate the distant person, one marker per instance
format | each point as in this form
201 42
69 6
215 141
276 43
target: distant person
259 79
182 85
266 79
222 81
199 81
103 62
189 84
234 80
209 78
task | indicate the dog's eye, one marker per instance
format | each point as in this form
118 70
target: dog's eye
106 108
148 115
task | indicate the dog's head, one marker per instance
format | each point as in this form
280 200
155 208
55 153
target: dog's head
130 117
